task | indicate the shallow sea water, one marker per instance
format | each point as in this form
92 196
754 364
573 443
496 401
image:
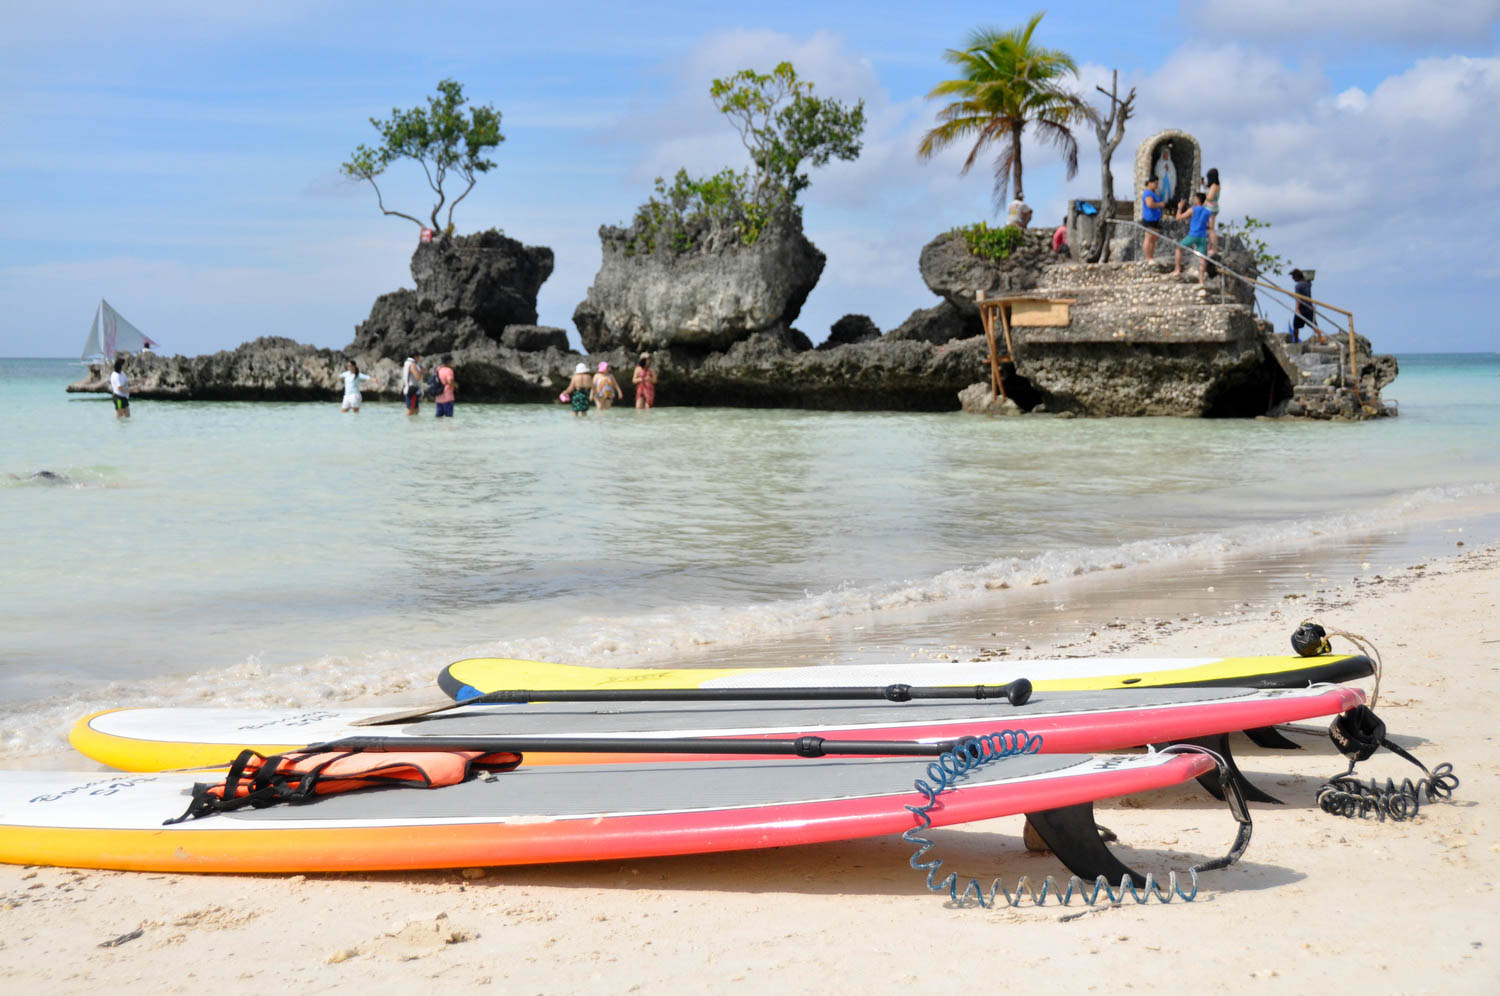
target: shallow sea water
287 554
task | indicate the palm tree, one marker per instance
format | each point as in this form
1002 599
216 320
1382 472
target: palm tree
1007 83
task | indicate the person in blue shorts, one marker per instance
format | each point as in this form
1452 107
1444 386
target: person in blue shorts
1197 236
1150 218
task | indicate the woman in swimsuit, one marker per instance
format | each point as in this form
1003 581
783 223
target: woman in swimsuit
1211 201
644 380
579 387
606 388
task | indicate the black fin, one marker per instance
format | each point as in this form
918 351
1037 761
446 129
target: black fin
1271 738
1072 835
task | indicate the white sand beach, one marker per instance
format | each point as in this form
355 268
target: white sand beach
1318 902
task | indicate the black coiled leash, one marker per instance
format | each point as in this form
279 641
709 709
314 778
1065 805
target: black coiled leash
1357 734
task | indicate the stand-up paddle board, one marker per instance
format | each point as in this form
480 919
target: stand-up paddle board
544 814
1069 722
467 678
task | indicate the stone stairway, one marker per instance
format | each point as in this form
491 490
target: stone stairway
1140 302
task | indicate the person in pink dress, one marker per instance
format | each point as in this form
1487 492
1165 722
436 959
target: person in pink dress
644 380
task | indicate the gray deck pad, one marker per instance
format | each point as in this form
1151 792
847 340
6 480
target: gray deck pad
564 791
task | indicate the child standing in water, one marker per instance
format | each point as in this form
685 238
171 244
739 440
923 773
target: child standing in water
352 379
579 389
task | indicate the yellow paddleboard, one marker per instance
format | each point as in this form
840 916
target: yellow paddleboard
467 678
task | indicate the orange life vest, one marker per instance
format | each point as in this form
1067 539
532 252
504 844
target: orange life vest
259 781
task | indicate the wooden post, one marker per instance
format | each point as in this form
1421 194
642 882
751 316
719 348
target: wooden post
987 319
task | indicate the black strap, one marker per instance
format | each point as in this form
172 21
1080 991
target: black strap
1357 734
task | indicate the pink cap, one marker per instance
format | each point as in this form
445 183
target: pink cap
603 366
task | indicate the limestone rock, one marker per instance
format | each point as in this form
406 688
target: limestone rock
486 276
977 399
469 289
941 323
399 326
851 329
534 338
705 299
954 273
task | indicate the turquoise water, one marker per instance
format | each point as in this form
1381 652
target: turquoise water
285 553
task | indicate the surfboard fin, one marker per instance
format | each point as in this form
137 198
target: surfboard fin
1271 738
1073 836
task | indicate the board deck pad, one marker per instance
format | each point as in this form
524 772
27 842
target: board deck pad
163 738
466 678
540 814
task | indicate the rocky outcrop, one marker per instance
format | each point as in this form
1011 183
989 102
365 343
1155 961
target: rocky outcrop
277 369
954 273
469 289
266 369
702 299
941 323
850 329
763 371
533 338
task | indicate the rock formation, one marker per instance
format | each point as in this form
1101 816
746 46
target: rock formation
941 323
850 329
704 299
954 273
469 289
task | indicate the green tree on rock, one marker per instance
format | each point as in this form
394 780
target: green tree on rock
1007 83
441 139
783 126
786 131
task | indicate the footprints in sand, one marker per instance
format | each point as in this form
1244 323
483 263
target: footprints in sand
409 941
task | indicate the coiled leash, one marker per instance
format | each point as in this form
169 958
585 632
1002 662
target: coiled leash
1357 734
979 751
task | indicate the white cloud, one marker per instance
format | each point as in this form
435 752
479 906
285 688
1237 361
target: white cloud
1397 22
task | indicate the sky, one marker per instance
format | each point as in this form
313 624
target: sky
182 159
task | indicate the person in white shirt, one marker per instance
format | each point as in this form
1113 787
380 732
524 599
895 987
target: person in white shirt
352 379
411 382
119 389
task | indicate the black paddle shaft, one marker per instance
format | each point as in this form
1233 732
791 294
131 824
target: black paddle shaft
807 746
1017 692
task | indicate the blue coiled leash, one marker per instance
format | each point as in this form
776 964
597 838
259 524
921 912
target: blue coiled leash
976 752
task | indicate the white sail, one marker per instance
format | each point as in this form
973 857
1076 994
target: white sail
111 334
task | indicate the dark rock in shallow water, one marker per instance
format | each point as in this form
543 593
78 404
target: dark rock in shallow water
850 329
937 325
705 298
469 288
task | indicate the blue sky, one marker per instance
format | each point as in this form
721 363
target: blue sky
181 159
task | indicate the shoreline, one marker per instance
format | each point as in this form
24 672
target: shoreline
1046 616
1307 906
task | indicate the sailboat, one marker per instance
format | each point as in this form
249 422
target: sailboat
111 334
